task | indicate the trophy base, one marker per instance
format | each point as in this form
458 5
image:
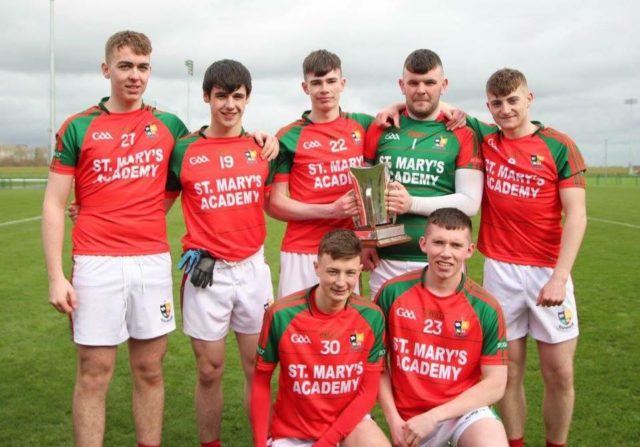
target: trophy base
379 243
382 235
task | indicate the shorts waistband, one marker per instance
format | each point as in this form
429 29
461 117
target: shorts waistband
223 263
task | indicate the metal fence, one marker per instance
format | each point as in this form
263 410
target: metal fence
22 183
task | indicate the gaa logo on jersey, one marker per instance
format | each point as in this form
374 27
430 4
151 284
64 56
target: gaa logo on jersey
565 315
357 137
440 142
300 339
251 155
151 130
165 311
537 160
357 340
461 327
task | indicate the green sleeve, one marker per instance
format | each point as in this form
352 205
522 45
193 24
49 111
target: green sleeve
173 123
480 128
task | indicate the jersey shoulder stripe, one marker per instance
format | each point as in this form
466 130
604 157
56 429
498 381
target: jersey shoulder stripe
478 292
173 123
92 112
363 119
395 287
564 150
69 139
295 125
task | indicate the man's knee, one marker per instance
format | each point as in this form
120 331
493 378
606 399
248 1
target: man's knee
94 375
210 373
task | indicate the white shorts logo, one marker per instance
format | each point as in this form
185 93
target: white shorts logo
300 339
406 313
99 136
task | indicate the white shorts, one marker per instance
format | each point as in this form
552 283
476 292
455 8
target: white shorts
448 433
295 442
121 297
296 272
238 298
516 287
388 269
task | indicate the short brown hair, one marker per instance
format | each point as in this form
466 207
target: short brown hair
422 61
505 81
138 42
340 244
449 219
320 62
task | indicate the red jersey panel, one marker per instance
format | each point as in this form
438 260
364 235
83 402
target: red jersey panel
322 360
438 344
120 163
223 182
315 159
521 208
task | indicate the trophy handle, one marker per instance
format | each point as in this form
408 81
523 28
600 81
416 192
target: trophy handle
368 206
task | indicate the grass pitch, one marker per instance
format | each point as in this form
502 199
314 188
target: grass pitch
37 357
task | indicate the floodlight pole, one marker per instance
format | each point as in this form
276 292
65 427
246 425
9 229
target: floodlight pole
189 64
606 164
630 102
52 83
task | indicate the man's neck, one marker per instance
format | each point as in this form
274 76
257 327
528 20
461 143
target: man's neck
326 306
432 116
442 287
527 129
215 131
318 116
115 106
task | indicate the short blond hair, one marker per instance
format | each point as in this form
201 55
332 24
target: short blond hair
138 42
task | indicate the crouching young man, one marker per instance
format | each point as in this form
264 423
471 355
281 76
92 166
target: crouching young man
447 362
330 345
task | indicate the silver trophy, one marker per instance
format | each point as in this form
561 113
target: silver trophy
375 224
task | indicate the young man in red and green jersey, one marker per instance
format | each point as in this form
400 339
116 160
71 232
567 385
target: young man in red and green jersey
447 357
534 174
312 189
118 154
330 345
431 166
223 180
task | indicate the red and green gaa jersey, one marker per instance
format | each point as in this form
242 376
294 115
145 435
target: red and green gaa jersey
322 360
437 344
223 183
315 159
120 163
521 209
423 156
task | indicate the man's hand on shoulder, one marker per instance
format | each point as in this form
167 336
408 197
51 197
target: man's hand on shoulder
390 116
268 143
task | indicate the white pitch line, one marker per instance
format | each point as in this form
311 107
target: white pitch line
613 222
12 222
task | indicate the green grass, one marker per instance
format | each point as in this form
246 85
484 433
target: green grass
37 357
24 171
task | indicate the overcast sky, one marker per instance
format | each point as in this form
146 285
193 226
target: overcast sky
582 59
